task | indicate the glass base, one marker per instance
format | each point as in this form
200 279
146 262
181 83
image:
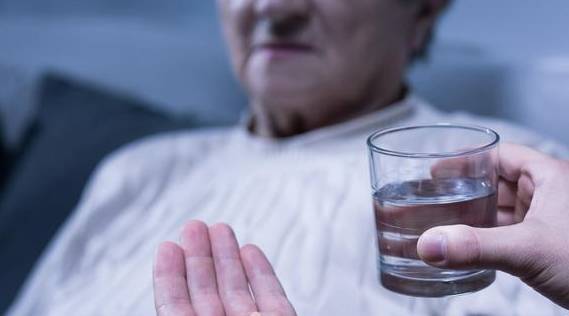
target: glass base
438 287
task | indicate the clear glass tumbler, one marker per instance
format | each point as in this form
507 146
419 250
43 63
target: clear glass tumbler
423 177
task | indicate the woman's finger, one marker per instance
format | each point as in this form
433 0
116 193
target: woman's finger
200 270
269 294
171 297
231 279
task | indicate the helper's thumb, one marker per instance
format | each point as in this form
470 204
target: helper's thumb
507 248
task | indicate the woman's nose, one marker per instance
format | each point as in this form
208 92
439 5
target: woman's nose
281 9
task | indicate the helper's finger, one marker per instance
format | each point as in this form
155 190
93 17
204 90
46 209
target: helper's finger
507 248
200 269
231 279
513 159
171 297
267 289
451 168
515 198
506 216
477 165
507 194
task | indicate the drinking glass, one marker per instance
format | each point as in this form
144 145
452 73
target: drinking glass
427 176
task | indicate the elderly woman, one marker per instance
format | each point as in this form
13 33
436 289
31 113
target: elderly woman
321 76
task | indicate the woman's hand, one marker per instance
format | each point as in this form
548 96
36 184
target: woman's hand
533 244
208 274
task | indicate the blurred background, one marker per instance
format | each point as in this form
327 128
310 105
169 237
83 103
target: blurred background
80 78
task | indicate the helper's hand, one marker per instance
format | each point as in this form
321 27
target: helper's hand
207 274
533 203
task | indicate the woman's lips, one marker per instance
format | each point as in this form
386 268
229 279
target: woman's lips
283 50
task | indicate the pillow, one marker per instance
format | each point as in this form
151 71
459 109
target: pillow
17 93
77 126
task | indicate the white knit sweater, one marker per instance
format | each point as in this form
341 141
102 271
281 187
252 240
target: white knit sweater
305 200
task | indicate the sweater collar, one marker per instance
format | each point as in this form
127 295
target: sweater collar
366 123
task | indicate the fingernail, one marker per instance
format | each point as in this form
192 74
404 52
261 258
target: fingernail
433 247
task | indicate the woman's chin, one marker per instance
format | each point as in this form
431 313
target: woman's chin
289 87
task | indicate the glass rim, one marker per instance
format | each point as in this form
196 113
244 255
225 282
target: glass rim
382 132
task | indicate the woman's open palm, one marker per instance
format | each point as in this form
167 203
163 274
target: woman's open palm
208 274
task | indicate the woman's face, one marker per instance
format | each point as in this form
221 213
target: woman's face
320 53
